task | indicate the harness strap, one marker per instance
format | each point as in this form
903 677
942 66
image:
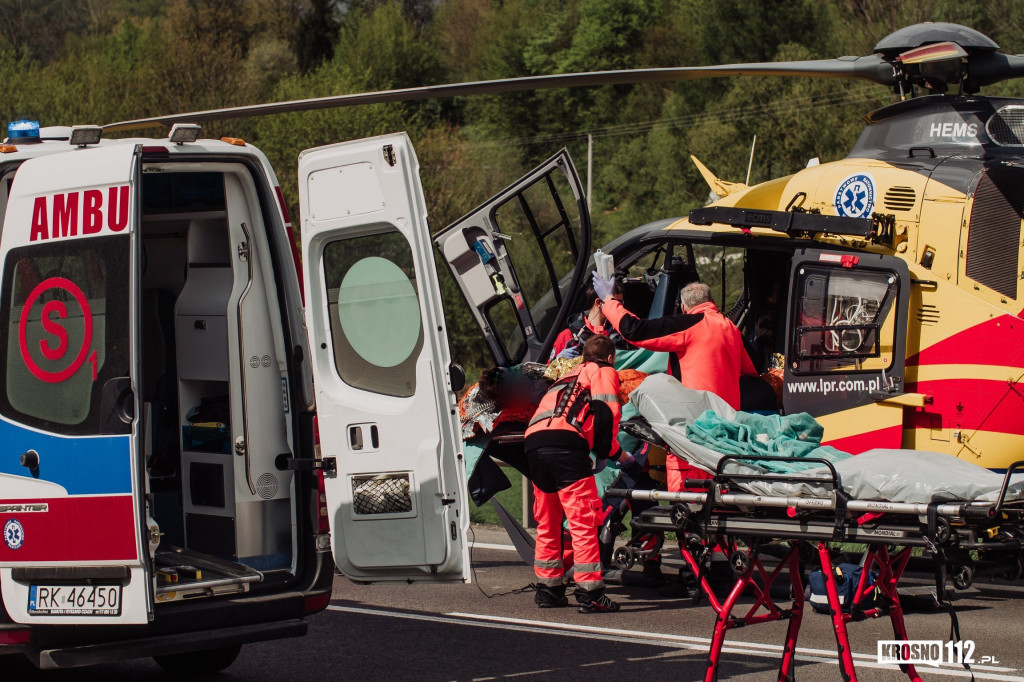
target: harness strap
939 564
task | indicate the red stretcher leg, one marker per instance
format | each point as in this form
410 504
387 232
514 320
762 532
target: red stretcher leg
838 622
795 617
890 570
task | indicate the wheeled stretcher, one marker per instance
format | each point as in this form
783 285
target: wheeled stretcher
748 510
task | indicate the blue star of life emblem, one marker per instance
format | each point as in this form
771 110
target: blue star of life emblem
14 534
855 196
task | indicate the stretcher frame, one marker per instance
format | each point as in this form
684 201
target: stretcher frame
715 518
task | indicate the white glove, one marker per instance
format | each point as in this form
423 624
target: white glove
569 352
602 287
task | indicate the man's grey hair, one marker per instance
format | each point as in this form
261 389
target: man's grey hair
695 293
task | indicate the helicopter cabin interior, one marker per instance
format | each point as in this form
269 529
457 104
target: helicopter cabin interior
841 321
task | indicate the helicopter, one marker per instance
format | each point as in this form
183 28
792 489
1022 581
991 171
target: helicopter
887 281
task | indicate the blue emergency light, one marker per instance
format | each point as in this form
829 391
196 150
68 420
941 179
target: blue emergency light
23 130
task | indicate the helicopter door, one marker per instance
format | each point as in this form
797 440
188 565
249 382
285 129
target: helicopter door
385 406
847 346
71 490
540 223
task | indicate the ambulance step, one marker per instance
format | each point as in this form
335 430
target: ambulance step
186 574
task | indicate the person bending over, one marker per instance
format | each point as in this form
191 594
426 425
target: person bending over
578 414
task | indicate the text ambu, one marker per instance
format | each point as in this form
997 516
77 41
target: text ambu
74 213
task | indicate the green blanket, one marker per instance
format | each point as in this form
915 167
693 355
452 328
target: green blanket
795 435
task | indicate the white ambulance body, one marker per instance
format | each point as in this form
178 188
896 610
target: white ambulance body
160 477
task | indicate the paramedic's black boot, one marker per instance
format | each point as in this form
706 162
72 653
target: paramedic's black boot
550 597
594 601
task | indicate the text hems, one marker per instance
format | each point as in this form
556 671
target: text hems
61 215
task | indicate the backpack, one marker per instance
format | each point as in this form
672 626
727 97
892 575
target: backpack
847 579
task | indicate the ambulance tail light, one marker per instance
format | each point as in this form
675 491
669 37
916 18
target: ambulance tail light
14 636
291 239
323 515
317 603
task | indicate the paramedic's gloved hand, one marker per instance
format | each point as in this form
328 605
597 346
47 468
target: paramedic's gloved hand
602 287
599 464
629 465
569 352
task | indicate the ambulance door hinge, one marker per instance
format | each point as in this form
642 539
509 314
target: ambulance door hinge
285 462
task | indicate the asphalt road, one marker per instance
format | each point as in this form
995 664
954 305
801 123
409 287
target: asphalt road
491 630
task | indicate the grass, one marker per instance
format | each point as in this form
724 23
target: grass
511 499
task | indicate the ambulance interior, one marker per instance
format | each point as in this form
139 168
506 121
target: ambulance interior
213 379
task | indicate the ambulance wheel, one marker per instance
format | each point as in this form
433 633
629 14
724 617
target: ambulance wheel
194 663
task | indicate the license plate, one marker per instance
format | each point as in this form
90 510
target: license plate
74 600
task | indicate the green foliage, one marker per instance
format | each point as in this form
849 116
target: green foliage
101 61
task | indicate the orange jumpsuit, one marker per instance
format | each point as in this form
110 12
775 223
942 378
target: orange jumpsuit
557 451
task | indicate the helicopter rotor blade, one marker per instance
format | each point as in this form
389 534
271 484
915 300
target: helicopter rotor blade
871 68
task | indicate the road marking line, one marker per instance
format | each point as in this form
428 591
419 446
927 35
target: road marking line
664 639
491 545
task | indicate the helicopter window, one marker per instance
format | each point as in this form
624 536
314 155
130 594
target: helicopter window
541 232
843 320
721 268
66 313
374 312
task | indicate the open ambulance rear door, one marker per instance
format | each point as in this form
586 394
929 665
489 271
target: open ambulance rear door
540 222
71 481
389 432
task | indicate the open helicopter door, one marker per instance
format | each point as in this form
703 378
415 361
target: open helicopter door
74 547
385 406
541 223
847 346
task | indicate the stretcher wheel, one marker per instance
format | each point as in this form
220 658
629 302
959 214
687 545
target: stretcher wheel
1015 570
739 562
626 557
962 577
679 515
942 530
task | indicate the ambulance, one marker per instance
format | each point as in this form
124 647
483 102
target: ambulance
182 426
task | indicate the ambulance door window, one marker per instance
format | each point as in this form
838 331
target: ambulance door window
374 312
844 322
501 316
543 242
65 312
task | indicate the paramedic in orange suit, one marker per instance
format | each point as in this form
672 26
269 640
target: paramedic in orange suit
706 351
578 414
706 348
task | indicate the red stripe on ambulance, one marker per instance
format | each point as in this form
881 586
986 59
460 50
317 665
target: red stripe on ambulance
86 528
87 212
